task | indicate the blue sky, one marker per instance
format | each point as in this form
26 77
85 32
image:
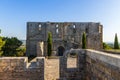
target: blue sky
15 13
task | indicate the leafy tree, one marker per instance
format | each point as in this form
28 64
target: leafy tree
84 41
1 45
21 51
106 46
49 44
116 44
11 46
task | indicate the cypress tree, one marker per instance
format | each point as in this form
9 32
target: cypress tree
49 44
116 44
84 41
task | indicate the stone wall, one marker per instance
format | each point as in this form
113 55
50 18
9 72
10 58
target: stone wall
91 65
75 73
65 34
102 66
16 68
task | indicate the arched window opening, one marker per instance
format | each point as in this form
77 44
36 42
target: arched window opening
57 26
57 31
39 26
74 26
74 29
86 30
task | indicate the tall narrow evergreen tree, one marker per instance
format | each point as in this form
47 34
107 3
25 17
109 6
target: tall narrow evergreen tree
49 44
116 43
84 41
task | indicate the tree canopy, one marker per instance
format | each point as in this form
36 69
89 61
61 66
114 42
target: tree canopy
1 45
10 47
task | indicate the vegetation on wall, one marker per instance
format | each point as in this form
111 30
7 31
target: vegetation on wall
84 41
49 44
116 43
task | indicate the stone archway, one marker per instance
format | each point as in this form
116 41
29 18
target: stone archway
61 50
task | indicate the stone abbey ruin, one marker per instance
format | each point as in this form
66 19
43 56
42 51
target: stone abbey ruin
85 64
65 35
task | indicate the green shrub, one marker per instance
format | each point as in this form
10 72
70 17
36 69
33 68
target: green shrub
106 46
21 52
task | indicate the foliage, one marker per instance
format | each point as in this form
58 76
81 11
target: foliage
21 51
49 44
10 47
1 45
106 46
116 44
84 41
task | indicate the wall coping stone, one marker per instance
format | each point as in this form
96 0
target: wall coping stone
113 59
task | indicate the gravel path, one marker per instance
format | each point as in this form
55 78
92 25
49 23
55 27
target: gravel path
52 69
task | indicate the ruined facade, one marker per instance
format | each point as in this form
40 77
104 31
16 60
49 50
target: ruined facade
65 35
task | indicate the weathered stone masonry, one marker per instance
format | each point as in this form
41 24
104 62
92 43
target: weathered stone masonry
66 35
102 66
91 65
77 73
15 68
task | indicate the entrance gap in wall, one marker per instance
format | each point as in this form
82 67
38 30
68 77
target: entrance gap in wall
61 50
72 60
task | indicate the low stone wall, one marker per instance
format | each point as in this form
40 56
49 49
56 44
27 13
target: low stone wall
102 66
15 68
77 73
91 65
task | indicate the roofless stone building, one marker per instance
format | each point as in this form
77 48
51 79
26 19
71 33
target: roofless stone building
65 35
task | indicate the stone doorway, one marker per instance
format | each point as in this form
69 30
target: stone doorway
61 50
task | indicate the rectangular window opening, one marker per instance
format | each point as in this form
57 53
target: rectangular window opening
72 61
